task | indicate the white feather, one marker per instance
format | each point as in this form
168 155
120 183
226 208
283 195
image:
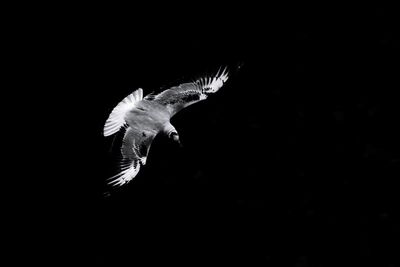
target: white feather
212 85
124 176
117 117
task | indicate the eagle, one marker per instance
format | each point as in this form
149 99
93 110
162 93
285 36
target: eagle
142 118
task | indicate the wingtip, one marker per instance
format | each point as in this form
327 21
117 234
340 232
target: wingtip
223 73
123 177
218 72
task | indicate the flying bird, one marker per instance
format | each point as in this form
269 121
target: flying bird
143 118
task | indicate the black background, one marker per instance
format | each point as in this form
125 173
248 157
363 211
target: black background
294 162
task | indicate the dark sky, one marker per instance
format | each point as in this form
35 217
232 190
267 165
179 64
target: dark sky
294 162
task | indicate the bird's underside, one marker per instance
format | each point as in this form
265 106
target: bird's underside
143 118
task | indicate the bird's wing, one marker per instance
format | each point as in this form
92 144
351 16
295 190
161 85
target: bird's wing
181 96
135 148
117 117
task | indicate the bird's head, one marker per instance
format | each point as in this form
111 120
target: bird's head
175 137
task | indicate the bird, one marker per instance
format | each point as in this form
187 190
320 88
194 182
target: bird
143 118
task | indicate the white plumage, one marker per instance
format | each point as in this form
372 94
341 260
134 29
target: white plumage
145 117
117 117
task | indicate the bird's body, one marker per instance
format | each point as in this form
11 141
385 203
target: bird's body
144 118
148 116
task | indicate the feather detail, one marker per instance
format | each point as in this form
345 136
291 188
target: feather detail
126 175
116 120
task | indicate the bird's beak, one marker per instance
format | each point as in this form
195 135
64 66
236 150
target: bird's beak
180 144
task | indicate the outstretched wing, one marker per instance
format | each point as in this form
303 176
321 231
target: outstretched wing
135 148
186 94
117 117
